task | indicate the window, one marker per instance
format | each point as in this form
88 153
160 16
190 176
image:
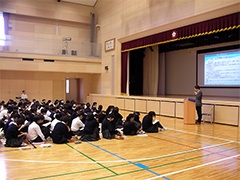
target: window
2 33
67 86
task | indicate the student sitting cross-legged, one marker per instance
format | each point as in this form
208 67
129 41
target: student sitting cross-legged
150 124
35 133
91 129
61 133
108 128
130 127
15 138
77 125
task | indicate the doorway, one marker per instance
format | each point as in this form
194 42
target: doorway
136 72
74 89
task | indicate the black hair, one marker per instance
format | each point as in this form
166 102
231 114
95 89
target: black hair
197 87
36 118
20 121
111 115
129 117
151 113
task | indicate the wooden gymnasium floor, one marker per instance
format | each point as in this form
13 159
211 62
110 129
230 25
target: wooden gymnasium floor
185 152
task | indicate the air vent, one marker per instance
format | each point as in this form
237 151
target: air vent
48 60
27 59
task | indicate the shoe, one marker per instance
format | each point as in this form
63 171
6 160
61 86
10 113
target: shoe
23 144
141 132
163 129
78 141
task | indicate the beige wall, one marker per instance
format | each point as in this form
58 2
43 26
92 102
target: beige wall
126 20
224 112
121 19
39 85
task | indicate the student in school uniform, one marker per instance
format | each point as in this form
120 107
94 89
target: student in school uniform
77 125
91 129
46 117
15 138
94 106
118 118
57 119
13 118
101 113
130 127
108 128
61 133
150 124
34 131
4 112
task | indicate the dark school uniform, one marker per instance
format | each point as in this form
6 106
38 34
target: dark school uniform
108 129
148 126
90 131
130 128
12 139
61 134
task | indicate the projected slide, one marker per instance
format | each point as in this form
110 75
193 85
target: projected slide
222 69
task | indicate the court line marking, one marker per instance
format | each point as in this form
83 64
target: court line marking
193 167
129 172
100 164
166 164
211 137
117 161
129 161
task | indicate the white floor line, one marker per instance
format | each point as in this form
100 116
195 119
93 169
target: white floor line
118 161
212 137
194 167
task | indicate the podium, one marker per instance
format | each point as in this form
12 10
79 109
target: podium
189 112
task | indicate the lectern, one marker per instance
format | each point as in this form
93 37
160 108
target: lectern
189 112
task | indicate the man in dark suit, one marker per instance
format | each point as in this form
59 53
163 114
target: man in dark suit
198 103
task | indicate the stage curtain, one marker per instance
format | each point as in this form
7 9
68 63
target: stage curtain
224 23
124 71
150 72
6 22
6 25
220 24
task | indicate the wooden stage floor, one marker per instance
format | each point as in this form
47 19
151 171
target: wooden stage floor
185 152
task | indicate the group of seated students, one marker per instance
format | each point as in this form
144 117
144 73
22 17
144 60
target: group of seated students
63 122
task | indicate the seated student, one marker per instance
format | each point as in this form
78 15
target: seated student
46 117
77 125
45 127
130 127
137 119
101 113
118 118
61 133
34 131
150 124
57 119
91 129
15 138
13 118
108 129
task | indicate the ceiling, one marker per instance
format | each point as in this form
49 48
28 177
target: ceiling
83 2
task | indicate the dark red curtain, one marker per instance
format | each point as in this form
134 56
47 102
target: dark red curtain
199 29
210 26
6 22
124 72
